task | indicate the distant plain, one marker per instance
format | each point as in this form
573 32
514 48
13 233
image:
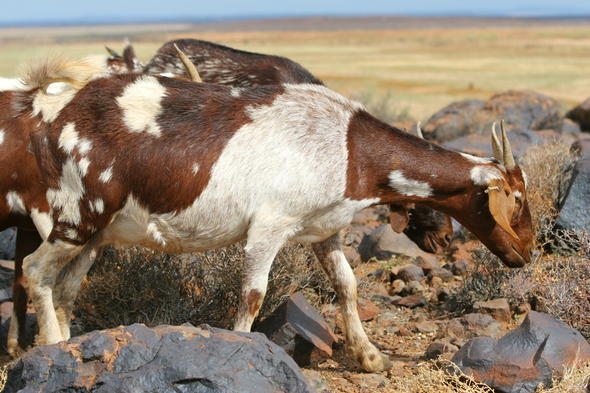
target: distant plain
420 64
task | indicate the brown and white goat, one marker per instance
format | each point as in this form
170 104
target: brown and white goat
181 167
429 229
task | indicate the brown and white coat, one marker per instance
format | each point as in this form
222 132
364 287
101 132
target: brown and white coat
181 167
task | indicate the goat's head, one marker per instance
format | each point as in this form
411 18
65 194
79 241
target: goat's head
500 215
128 62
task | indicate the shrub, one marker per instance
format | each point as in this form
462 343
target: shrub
134 284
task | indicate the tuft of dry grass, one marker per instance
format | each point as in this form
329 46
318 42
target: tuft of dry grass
383 106
443 376
134 284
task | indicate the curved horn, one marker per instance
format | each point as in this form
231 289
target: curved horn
496 148
419 131
112 52
507 150
190 67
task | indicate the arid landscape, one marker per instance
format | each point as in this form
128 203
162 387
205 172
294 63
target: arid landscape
418 308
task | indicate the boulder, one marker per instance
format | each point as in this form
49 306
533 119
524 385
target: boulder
7 243
581 115
525 110
479 144
163 359
531 354
383 243
499 309
474 324
452 121
574 212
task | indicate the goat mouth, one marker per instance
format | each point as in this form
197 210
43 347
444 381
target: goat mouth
523 259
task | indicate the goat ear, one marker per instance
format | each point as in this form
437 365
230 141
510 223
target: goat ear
129 57
501 204
399 217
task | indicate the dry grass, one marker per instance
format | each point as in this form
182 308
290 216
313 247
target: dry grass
133 284
433 376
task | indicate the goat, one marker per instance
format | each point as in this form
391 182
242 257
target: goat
181 167
429 229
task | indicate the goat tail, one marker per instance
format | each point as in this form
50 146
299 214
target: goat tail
77 73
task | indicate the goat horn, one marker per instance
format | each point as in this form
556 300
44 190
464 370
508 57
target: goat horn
190 67
112 52
496 148
419 131
506 149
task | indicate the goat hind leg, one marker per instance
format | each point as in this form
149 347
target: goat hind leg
329 253
40 270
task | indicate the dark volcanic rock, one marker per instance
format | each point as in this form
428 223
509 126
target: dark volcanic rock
525 357
7 243
452 121
479 145
163 359
575 210
525 110
581 115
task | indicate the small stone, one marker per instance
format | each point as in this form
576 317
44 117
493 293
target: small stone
397 286
425 264
352 256
410 273
367 309
412 301
415 287
499 309
437 348
404 332
444 274
369 382
523 308
443 293
459 267
436 282
426 327
316 380
387 317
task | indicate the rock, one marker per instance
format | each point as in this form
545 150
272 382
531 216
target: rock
414 287
383 243
412 301
443 293
296 323
458 267
531 354
397 286
479 145
575 209
525 110
367 309
426 265
426 327
385 300
409 273
474 324
7 243
437 348
452 121
316 381
570 127
352 256
581 115
443 274
387 316
163 359
436 282
499 309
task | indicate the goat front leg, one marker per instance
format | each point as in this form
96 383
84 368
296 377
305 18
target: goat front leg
264 242
40 269
329 253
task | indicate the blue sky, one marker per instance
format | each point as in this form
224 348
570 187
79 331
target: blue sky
73 10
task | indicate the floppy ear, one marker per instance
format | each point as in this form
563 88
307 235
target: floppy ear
399 217
501 204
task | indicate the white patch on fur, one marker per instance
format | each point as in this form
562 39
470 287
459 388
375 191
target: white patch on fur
71 234
152 230
42 221
97 206
525 178
68 138
477 160
235 91
105 176
15 203
68 196
84 146
83 164
408 187
167 75
481 175
11 84
141 105
50 105
517 195
2 134
195 168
